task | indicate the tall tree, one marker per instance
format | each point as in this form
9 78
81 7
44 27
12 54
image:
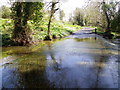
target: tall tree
92 13
115 24
53 9
71 18
104 8
62 14
101 13
22 13
109 10
78 16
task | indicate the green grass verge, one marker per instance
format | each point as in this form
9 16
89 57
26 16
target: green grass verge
100 31
58 30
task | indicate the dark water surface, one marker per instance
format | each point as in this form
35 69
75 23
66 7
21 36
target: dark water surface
68 63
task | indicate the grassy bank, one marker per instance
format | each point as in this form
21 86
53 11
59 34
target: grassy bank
58 30
101 32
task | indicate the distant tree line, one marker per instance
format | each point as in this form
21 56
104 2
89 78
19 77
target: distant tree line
102 13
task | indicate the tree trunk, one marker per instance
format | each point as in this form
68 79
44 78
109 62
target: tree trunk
108 31
49 24
108 24
25 20
52 11
21 33
18 20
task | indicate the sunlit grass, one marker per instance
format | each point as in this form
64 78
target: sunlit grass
39 32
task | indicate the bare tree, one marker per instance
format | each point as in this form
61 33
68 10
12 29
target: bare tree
53 9
62 14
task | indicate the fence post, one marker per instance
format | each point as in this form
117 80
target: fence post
95 30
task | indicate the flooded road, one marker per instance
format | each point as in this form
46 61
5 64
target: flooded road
78 61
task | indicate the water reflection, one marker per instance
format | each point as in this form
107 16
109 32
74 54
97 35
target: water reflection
27 72
69 63
70 66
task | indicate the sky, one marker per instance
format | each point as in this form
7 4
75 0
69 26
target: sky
70 5
67 5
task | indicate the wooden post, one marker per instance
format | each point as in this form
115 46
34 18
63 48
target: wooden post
95 30
95 33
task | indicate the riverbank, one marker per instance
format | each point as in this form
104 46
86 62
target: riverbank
114 35
110 43
113 42
38 33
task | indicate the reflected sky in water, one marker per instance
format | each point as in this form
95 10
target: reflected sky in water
81 63
69 63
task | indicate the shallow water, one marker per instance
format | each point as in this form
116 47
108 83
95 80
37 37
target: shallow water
68 63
